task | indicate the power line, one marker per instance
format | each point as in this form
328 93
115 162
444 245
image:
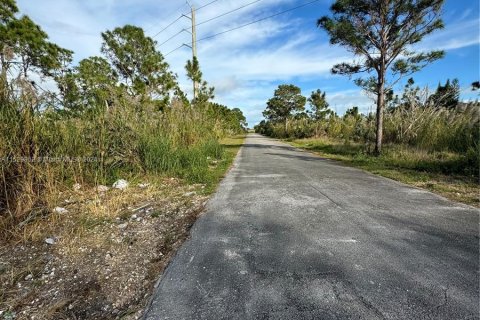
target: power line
174 21
183 45
206 5
175 35
203 22
165 28
169 25
224 14
180 17
247 24
259 20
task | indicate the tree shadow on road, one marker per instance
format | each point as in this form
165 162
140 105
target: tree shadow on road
299 157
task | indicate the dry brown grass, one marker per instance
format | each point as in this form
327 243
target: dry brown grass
110 248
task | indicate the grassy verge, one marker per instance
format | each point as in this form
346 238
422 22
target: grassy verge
231 146
100 257
439 172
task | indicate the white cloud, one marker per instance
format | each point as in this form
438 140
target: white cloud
226 85
466 14
342 100
456 35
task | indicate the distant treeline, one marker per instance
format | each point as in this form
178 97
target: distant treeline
417 118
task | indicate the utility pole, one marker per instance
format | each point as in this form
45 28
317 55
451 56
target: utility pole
194 34
194 49
194 44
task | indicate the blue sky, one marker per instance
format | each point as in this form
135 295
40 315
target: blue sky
246 65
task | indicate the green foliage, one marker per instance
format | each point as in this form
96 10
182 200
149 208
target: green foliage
186 154
352 112
319 111
99 147
8 9
93 82
434 129
202 92
388 29
414 120
319 105
141 67
118 116
24 47
237 114
446 96
287 100
230 121
476 85
193 70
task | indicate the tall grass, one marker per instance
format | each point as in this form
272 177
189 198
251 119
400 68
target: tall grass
423 127
42 152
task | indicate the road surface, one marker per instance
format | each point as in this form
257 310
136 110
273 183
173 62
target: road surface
290 235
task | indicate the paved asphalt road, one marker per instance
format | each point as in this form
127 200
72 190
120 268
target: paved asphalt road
289 235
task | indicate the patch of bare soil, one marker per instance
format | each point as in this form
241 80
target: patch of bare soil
100 257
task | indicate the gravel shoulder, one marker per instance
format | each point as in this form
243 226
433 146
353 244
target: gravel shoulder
101 256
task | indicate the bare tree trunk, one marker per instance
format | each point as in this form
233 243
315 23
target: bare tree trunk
381 72
380 105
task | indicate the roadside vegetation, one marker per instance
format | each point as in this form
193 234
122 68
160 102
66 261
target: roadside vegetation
118 116
439 172
104 166
428 139
431 140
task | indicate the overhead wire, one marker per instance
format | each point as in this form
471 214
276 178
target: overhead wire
165 28
174 50
248 24
258 20
169 25
179 17
175 35
203 22
206 5
226 13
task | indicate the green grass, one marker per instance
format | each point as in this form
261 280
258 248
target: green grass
440 172
121 142
190 163
217 171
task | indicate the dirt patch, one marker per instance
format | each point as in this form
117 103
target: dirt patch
101 258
